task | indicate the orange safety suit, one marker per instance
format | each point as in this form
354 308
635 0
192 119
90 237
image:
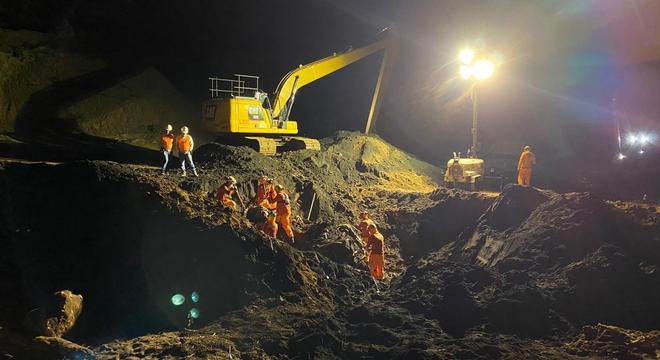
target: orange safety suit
184 143
283 210
166 141
266 196
364 230
525 164
269 228
376 247
225 192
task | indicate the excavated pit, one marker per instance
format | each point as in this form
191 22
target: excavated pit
120 245
469 275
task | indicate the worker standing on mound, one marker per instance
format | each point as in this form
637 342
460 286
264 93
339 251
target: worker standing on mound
186 144
166 143
525 164
265 193
376 251
283 211
269 227
226 192
365 221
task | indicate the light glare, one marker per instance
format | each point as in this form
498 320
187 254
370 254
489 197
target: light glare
178 299
621 156
466 72
632 138
466 56
483 69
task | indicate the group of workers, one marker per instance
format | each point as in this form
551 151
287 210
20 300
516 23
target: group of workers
184 144
272 198
275 201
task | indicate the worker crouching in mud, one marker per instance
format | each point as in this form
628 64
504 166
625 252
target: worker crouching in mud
269 227
283 208
376 252
226 192
265 193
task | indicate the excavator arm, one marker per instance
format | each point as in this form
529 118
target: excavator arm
313 71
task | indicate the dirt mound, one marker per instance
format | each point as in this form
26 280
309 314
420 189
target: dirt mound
580 250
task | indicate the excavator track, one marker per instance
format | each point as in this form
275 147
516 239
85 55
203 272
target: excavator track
270 146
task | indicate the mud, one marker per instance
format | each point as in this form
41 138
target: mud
525 274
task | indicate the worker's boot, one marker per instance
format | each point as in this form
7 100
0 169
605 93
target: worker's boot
195 172
184 173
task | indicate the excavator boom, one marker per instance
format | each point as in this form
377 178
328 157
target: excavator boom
313 71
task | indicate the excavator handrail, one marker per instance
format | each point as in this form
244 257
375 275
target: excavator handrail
315 70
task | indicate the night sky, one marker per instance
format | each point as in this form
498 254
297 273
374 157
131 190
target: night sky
564 61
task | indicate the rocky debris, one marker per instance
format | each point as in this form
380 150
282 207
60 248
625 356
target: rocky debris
615 342
508 277
58 348
57 317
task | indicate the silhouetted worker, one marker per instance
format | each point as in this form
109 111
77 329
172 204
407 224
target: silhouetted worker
376 251
365 221
186 144
525 164
284 211
226 192
166 143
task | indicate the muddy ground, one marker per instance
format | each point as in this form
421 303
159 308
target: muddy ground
528 273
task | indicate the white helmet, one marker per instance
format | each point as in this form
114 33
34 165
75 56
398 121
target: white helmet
168 127
231 178
184 129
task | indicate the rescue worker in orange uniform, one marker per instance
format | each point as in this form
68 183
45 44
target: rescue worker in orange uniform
186 144
365 221
376 251
226 191
283 211
269 227
166 142
265 193
525 164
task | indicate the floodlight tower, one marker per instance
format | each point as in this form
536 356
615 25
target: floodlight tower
475 69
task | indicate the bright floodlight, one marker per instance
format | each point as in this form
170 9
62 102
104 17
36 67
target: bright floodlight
483 69
644 138
621 156
632 138
466 72
466 56
641 152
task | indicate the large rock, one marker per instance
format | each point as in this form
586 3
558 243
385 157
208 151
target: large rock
57 317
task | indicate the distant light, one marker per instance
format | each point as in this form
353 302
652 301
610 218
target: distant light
194 313
194 296
466 56
621 156
466 72
178 299
644 138
632 138
483 69
641 152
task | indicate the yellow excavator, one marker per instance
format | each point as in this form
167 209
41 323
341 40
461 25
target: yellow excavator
242 114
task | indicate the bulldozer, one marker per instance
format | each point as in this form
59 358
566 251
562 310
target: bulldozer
241 113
